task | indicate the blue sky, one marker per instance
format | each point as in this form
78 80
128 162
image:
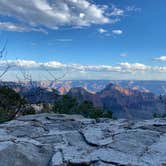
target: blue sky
99 39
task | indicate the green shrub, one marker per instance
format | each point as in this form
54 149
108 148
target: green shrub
27 110
155 115
66 105
11 104
69 105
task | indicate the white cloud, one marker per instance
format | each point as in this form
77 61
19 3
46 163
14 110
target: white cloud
102 30
9 26
30 15
161 58
117 12
53 14
54 65
132 9
125 66
42 70
117 32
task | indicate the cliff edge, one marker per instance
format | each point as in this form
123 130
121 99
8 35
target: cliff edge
71 140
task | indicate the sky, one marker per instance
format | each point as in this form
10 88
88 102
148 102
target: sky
83 39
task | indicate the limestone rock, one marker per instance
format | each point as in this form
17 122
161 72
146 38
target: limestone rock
71 140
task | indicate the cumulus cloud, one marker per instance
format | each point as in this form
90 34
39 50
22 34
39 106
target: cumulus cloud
52 14
132 9
123 67
102 30
161 58
13 27
29 15
117 32
117 12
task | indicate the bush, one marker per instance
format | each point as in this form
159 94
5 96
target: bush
4 115
66 105
27 110
69 105
155 115
11 104
87 109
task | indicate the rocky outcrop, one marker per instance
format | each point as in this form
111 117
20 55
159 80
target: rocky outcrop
122 102
71 140
82 94
126 101
129 103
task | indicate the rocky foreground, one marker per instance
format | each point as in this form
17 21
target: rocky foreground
71 140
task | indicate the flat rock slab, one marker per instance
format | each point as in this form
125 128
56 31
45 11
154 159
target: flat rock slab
71 140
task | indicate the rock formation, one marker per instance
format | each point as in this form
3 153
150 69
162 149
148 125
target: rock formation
71 140
123 102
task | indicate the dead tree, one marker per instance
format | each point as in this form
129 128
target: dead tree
53 75
37 92
3 53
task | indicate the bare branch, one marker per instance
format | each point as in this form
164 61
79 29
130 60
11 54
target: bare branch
5 71
27 77
3 53
55 78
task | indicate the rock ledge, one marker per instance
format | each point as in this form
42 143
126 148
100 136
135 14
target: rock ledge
71 140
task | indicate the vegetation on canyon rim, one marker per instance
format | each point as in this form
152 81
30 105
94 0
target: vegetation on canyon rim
11 104
69 105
